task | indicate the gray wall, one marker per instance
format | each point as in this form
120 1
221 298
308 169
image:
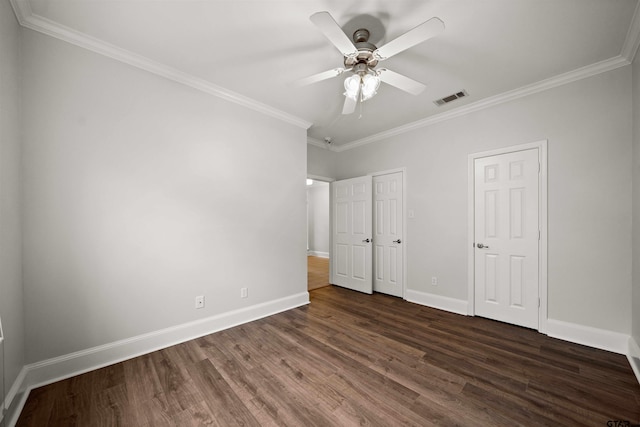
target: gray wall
11 297
320 162
140 194
636 200
588 126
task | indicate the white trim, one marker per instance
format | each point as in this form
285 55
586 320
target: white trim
440 302
542 219
632 41
615 342
562 79
318 254
28 19
45 26
4 397
12 408
22 9
14 390
58 368
634 357
320 178
320 144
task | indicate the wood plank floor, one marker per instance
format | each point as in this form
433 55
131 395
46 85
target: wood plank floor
317 272
352 359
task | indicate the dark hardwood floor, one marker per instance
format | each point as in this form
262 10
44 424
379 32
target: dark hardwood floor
352 359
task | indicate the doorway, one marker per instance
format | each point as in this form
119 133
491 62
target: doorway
508 235
318 232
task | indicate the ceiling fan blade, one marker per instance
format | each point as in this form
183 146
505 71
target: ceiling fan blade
401 82
422 32
349 105
320 76
331 30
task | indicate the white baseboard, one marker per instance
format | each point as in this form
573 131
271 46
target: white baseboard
615 342
437 301
14 391
13 411
593 337
634 357
318 254
58 368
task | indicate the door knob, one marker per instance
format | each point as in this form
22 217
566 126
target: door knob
480 246
366 240
397 241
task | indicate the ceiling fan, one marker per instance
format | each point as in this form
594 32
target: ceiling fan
362 57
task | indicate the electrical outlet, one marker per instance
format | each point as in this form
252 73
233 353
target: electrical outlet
200 301
244 292
434 281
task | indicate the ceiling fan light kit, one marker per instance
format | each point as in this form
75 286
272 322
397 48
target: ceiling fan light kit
361 87
361 58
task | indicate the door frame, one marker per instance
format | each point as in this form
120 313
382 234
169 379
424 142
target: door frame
542 219
405 239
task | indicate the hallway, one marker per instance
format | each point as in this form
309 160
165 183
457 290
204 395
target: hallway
317 272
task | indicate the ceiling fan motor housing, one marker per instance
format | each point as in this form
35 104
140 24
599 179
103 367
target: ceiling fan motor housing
365 51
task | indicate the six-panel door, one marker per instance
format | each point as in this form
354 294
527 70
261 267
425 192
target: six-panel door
507 237
388 217
351 234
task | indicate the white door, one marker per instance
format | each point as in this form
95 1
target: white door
507 237
387 234
351 233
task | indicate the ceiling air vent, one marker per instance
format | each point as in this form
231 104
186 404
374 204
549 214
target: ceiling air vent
450 98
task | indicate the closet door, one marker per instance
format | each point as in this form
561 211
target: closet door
388 219
352 266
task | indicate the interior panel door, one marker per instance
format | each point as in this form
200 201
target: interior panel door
507 237
351 223
388 217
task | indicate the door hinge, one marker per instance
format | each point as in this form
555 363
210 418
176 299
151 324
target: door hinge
538 302
539 234
539 167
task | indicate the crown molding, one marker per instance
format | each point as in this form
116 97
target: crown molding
562 79
320 144
28 19
22 9
632 41
626 57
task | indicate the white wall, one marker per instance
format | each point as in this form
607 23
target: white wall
588 126
11 296
318 220
140 194
636 201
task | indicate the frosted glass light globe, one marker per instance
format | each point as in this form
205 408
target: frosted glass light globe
352 86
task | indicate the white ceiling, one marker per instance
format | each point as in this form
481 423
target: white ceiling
258 48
